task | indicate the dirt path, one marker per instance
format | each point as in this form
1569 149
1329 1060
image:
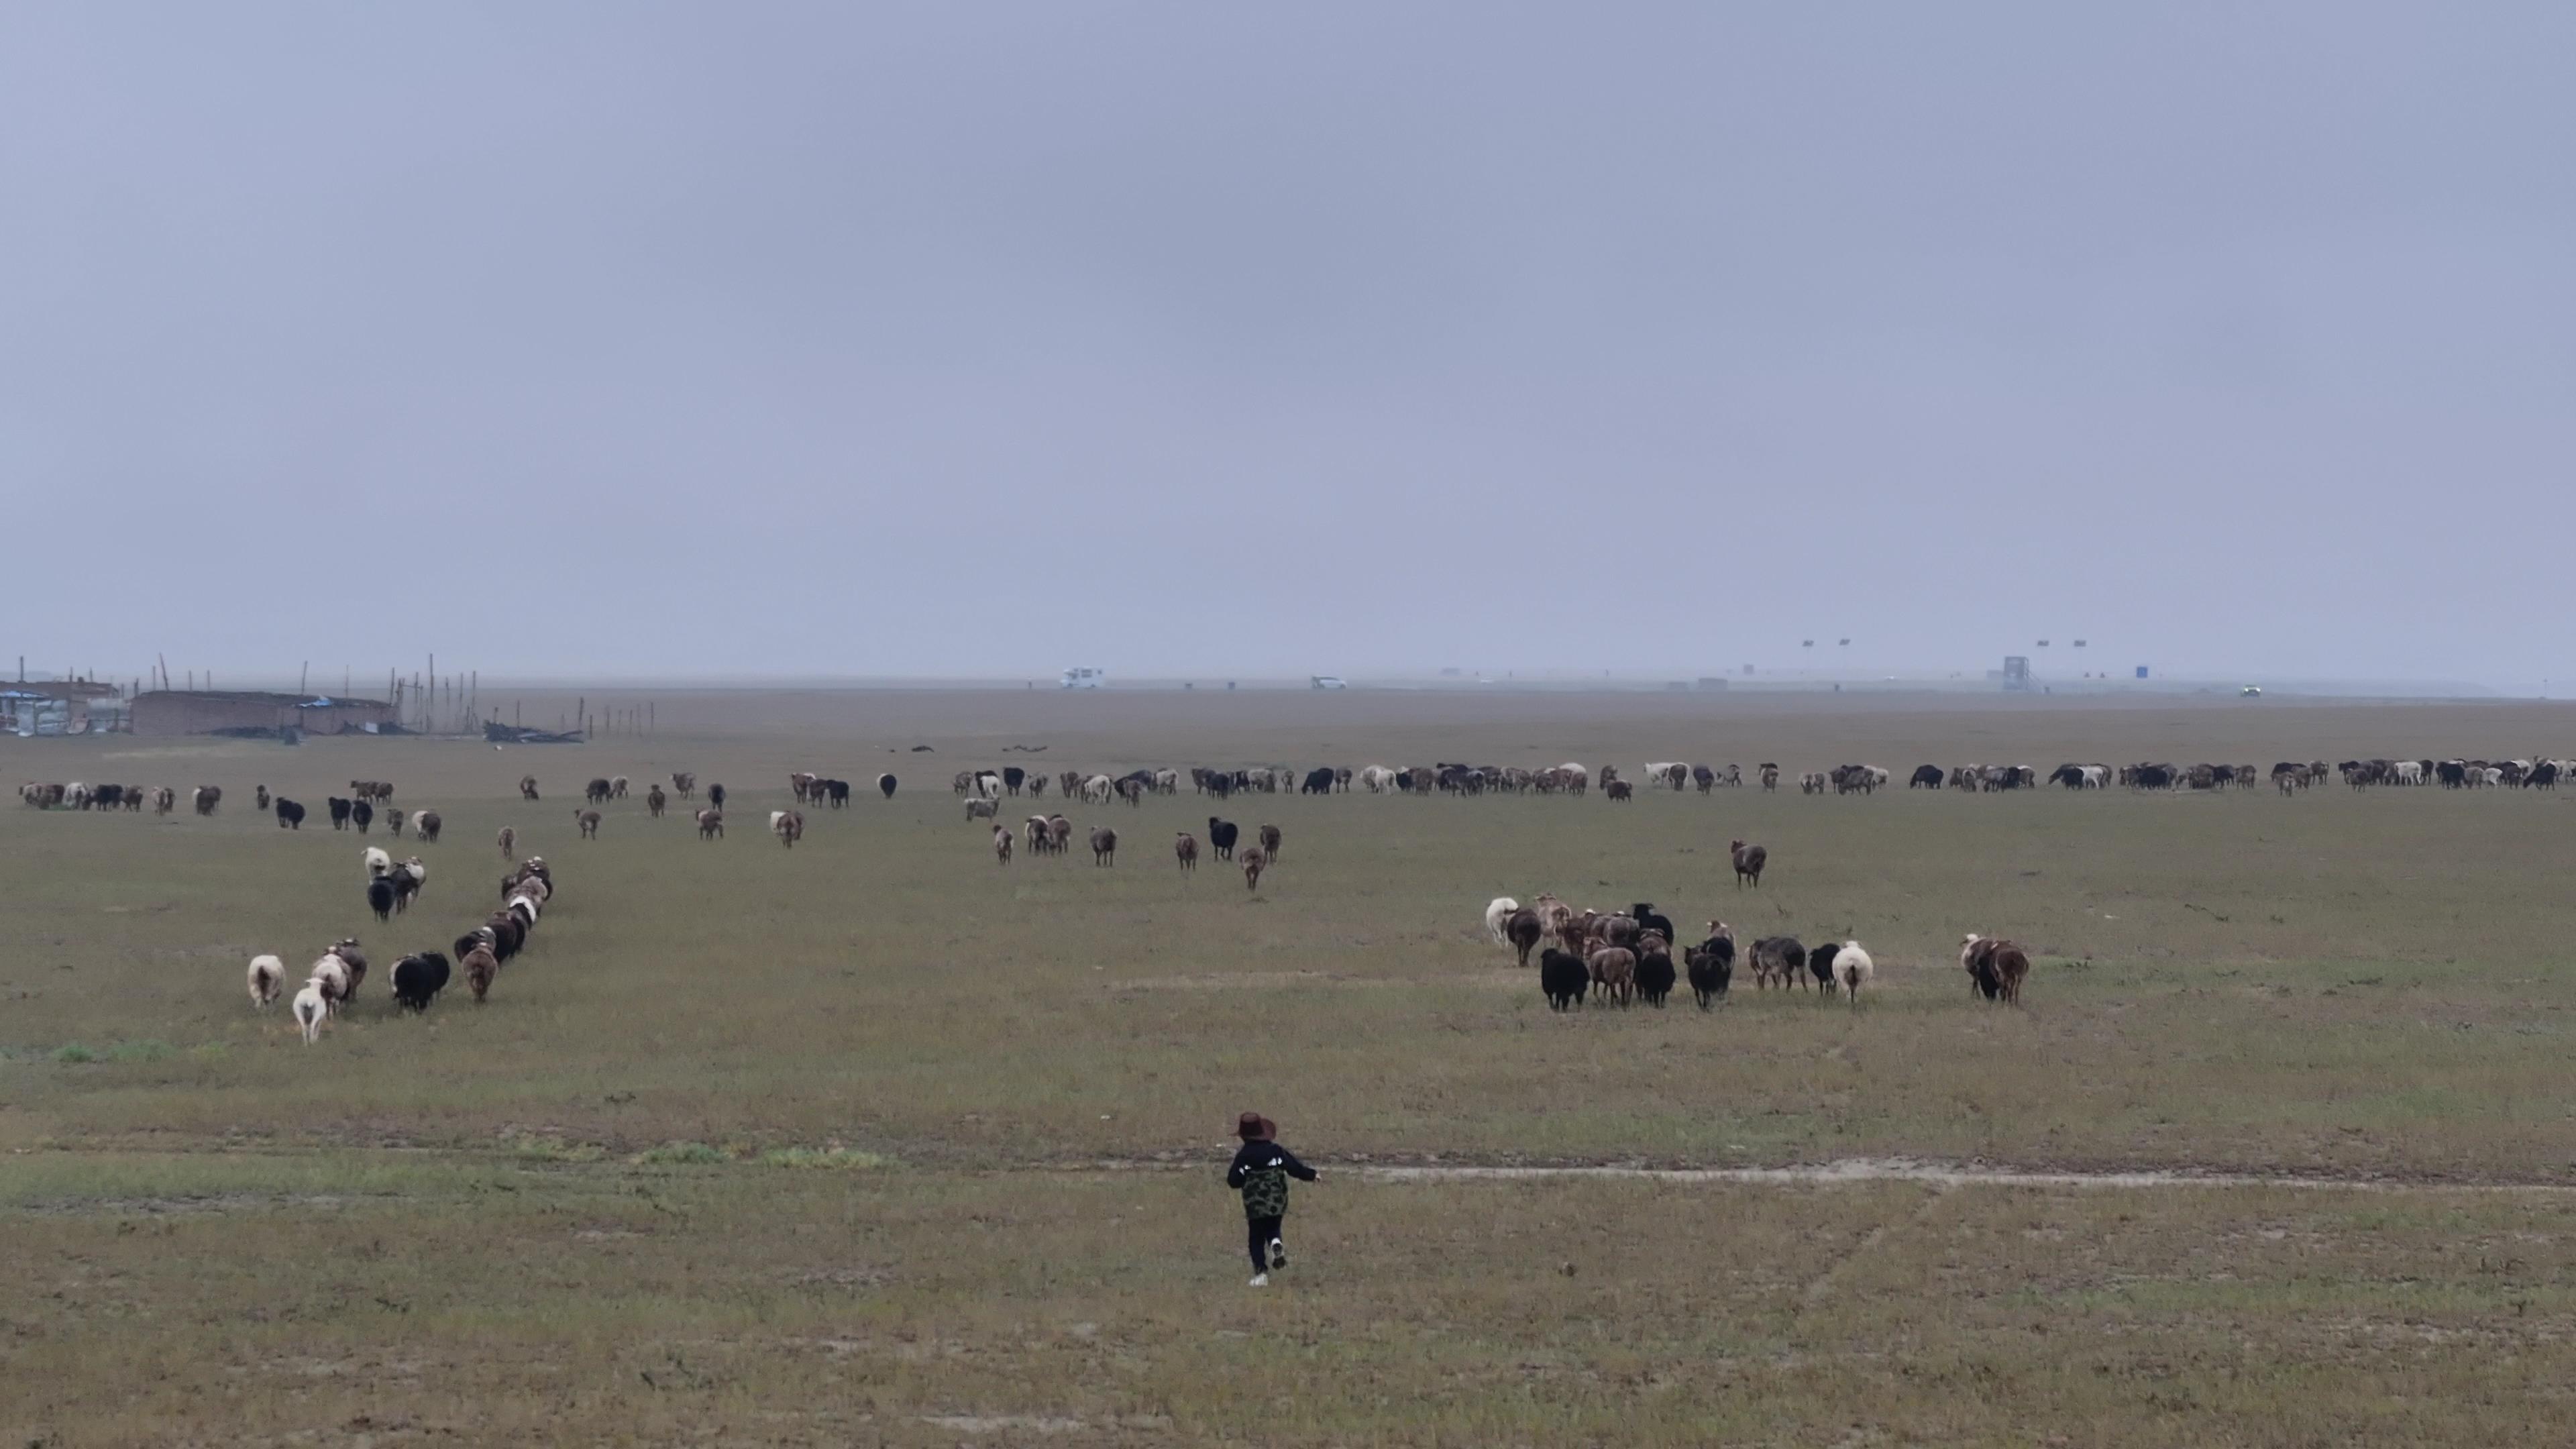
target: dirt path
1897 1169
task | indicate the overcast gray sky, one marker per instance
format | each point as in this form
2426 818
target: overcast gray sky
988 339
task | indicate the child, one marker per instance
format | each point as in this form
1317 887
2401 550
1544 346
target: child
1261 1170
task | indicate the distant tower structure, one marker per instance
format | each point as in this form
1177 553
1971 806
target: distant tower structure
2017 671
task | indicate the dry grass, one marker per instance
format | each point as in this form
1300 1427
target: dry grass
2333 984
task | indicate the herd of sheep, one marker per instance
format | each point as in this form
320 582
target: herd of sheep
418 978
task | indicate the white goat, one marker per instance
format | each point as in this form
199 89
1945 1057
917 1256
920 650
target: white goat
1496 914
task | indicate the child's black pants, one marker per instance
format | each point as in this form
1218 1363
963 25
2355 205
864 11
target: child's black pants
1263 1230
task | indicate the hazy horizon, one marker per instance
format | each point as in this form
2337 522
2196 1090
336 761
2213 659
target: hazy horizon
649 341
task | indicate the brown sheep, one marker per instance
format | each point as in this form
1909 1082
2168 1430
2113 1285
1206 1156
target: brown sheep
1252 859
1185 848
1104 846
1523 930
480 967
654 800
1749 860
788 826
685 784
588 820
426 825
1270 840
711 825
527 787
1995 968
1614 970
1002 845
509 843
1059 834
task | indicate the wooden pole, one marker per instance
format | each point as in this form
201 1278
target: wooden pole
300 676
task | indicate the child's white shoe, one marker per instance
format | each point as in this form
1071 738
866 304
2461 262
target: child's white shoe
1260 1280
1278 1253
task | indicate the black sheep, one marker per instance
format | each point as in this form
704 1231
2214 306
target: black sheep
419 979
838 792
1643 912
479 936
1654 976
1711 967
361 815
886 784
339 813
1564 977
1820 964
290 816
1221 835
405 884
715 796
1318 782
507 934
380 898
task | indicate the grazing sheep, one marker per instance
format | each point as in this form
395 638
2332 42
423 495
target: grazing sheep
1749 860
980 807
1563 979
885 783
711 825
425 825
1820 965
1654 969
1185 849
1618 790
1777 958
1522 932
596 792
527 787
1711 965
1995 967
1253 858
419 979
654 800
481 966
1498 911
1853 968
1270 838
1104 846
267 977
1614 970
1221 837
310 1007
1002 845
375 860
380 898
509 843
788 826
588 820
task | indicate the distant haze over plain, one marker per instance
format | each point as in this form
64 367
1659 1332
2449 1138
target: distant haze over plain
635 341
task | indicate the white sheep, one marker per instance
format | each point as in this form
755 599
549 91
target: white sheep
418 872
376 861
331 978
267 978
312 1004
1853 968
1496 914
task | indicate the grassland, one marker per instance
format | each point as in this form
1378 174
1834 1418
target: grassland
873 1140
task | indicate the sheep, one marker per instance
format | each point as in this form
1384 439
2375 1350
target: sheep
1059 834
588 820
413 870
1253 858
267 975
617 787
716 796
1498 912
1270 838
1749 860
1104 846
1820 965
361 815
394 821
1853 968
1185 849
482 937
260 801
509 839
425 825
481 966
1614 970
1002 845
1617 790
654 800
331 977
351 963
980 807
309 1008
1523 931
380 898
1777 958
206 798
685 784
1221 837
375 860
596 792
1563 979
788 826
164 799
1995 967
339 809
885 784
527 787
711 825
1643 912
1654 969
419 979
1711 965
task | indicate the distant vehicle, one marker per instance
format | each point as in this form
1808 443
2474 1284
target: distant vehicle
1084 678
2250 692
1329 681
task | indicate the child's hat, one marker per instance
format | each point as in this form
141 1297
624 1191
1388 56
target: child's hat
1253 1127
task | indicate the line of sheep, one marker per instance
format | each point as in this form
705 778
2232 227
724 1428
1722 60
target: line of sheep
1621 957
418 978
